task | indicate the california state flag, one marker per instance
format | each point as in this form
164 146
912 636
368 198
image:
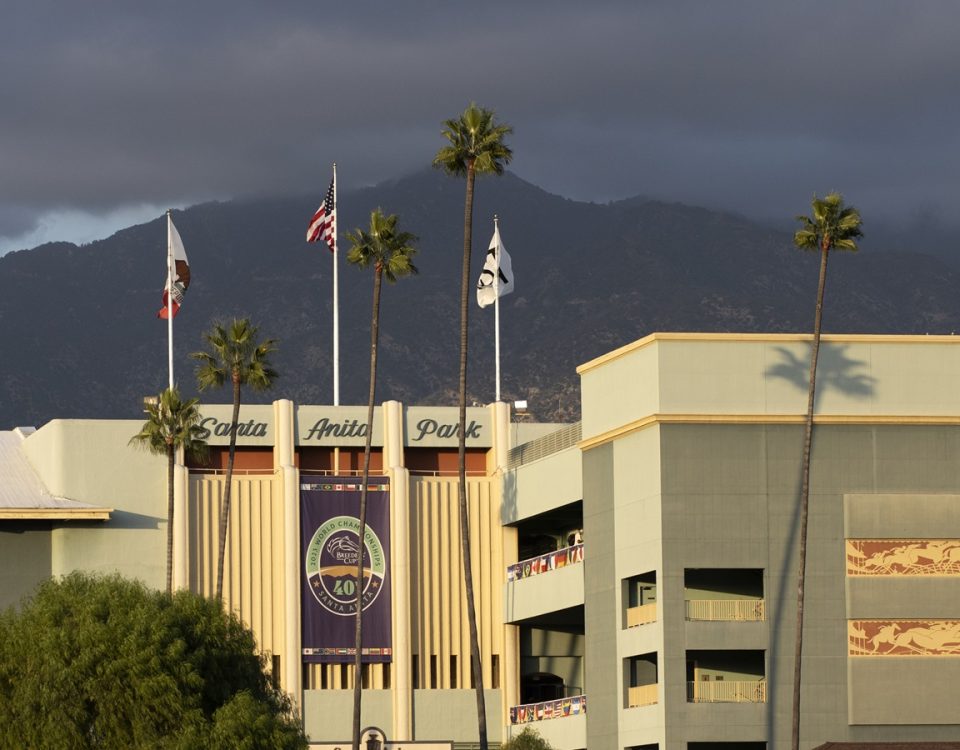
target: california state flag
178 272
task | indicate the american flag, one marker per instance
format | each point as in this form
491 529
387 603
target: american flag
323 225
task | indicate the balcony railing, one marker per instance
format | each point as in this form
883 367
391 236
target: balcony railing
641 615
545 563
554 709
716 610
727 691
642 695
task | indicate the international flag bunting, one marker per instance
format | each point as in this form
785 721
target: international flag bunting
323 225
498 261
181 274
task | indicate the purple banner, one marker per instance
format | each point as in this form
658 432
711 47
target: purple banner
329 531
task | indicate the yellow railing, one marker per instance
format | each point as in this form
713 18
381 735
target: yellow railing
642 695
641 615
727 691
742 610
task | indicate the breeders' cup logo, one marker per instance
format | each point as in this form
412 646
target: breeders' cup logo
332 565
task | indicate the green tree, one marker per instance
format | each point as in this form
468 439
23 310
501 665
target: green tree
833 226
528 739
476 146
390 252
235 355
104 662
171 424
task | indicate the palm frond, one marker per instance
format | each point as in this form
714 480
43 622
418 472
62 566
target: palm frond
475 140
235 352
383 246
172 422
833 225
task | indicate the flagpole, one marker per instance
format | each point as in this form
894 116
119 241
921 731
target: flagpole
496 304
336 300
169 300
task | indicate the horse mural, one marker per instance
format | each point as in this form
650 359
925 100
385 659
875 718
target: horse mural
904 638
901 557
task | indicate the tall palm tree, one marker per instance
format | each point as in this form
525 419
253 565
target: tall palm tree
236 355
390 252
171 424
475 147
832 227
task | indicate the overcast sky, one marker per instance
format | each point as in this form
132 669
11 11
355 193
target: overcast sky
111 112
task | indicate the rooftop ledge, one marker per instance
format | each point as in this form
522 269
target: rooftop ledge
773 338
55 514
763 378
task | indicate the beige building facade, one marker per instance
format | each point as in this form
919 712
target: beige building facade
640 563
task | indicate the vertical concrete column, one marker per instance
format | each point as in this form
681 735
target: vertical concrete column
497 464
283 457
291 677
402 642
500 424
393 463
392 434
181 552
284 440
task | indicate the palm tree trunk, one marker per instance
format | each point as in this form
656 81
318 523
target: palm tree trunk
358 634
805 498
170 461
476 671
225 511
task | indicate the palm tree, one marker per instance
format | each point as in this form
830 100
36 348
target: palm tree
833 227
171 424
475 147
390 252
235 355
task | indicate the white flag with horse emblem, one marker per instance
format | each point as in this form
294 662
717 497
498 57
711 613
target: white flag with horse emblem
496 279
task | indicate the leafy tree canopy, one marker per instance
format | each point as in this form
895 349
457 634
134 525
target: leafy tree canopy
104 662
528 739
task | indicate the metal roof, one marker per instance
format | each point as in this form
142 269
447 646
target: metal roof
22 493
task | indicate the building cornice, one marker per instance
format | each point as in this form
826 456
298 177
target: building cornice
772 419
764 337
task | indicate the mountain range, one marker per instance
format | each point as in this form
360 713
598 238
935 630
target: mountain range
79 327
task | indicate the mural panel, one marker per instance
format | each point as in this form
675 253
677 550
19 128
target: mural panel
903 637
903 557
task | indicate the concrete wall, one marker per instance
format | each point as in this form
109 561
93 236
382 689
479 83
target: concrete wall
543 485
452 715
548 592
729 500
328 714
601 622
91 461
767 374
24 559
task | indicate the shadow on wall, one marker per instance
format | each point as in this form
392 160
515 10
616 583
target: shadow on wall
508 500
121 519
835 370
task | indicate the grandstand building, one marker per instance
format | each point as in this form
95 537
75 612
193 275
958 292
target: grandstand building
635 571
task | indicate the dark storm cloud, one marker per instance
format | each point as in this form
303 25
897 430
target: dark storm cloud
747 106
